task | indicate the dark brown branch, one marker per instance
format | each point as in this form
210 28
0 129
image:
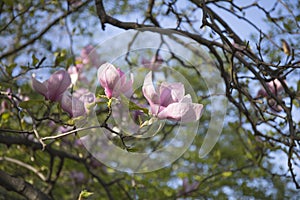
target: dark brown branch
149 13
15 140
104 18
21 187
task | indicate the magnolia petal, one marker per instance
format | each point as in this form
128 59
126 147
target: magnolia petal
184 112
262 93
276 86
112 76
186 99
73 72
72 105
66 103
171 93
40 87
108 77
149 91
152 64
78 107
123 86
146 63
155 109
88 98
126 87
156 62
57 84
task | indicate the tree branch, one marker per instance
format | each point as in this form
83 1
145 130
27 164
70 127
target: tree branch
45 30
21 187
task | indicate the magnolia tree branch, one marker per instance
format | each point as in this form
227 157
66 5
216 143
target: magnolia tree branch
19 140
22 187
25 165
42 32
103 125
231 50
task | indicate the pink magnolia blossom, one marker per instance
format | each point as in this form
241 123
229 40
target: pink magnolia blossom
152 64
4 106
188 187
89 55
59 128
274 106
274 86
72 105
78 177
76 73
94 163
170 101
114 81
54 87
73 71
85 96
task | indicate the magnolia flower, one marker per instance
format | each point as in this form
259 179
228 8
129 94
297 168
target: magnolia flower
114 81
4 104
74 3
170 102
274 86
274 106
94 163
89 55
85 96
78 177
72 105
188 187
3 107
73 71
54 87
152 64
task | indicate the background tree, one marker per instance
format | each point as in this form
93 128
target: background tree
257 155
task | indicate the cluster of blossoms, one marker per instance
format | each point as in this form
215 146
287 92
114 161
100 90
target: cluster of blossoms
55 88
87 57
152 64
168 102
275 88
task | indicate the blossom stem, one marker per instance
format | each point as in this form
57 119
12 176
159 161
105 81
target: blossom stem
109 112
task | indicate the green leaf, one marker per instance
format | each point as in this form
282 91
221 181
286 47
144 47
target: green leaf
34 60
5 116
10 68
69 61
132 149
288 26
13 65
30 103
24 67
84 194
9 2
132 106
227 174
